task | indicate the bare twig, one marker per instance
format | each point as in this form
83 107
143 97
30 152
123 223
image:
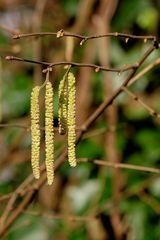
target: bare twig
144 71
16 213
8 209
121 165
151 111
83 38
73 64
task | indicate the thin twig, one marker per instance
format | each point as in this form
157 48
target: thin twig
83 38
16 213
8 209
144 71
10 58
151 111
73 64
121 165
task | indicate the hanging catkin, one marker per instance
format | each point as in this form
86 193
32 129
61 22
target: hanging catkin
71 120
62 109
35 132
49 133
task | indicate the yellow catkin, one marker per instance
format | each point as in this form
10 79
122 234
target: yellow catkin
49 133
62 109
71 120
35 132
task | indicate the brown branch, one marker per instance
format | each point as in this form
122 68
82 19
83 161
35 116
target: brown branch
97 68
10 58
151 111
8 209
83 38
134 79
144 71
121 165
17 212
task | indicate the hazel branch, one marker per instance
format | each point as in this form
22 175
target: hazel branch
97 68
83 38
144 71
121 165
151 111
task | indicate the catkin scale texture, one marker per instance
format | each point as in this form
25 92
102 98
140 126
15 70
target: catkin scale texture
62 110
35 132
71 120
49 133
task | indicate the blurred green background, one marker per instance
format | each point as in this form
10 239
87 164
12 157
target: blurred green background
127 207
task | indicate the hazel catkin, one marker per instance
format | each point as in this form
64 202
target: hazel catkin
62 109
71 120
49 132
35 132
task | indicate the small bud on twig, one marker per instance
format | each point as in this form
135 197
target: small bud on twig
60 33
126 40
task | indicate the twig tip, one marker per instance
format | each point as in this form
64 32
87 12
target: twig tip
8 57
16 36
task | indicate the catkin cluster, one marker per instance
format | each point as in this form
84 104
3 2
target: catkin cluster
49 133
66 117
67 113
35 132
